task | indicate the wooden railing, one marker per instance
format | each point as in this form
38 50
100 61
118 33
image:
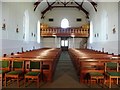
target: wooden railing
70 32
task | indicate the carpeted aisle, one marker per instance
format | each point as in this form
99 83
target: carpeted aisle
65 75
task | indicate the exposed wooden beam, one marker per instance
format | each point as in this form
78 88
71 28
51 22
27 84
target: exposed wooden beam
63 3
66 3
47 2
47 9
79 6
36 4
82 2
93 4
42 16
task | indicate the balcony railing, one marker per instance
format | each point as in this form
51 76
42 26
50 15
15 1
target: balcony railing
69 32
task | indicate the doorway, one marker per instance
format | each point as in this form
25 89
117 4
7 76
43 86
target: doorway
64 43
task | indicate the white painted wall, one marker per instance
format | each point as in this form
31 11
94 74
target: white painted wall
119 27
0 28
110 41
13 13
0 36
75 43
50 42
69 13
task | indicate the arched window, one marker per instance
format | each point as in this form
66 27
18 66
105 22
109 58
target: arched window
26 25
104 26
64 23
91 32
38 32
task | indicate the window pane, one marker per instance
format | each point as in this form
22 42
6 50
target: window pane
91 32
38 32
66 42
62 43
64 23
26 25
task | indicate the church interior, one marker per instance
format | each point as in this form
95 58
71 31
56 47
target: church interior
59 44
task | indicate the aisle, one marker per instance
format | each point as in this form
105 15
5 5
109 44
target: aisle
65 75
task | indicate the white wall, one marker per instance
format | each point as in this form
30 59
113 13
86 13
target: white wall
0 28
49 42
106 38
13 13
52 43
0 37
119 27
69 13
75 43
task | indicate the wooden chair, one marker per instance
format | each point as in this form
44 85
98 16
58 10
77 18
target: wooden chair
17 72
4 68
34 73
96 75
94 70
112 72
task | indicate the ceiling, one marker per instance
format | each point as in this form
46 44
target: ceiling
83 5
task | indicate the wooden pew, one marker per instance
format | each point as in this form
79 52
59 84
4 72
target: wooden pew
86 61
48 56
77 55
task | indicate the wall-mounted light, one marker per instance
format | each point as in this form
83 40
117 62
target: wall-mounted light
114 30
4 25
97 34
32 34
17 30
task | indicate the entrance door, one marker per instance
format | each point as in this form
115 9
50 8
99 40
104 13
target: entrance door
64 43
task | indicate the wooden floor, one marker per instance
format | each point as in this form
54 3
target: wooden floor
65 77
